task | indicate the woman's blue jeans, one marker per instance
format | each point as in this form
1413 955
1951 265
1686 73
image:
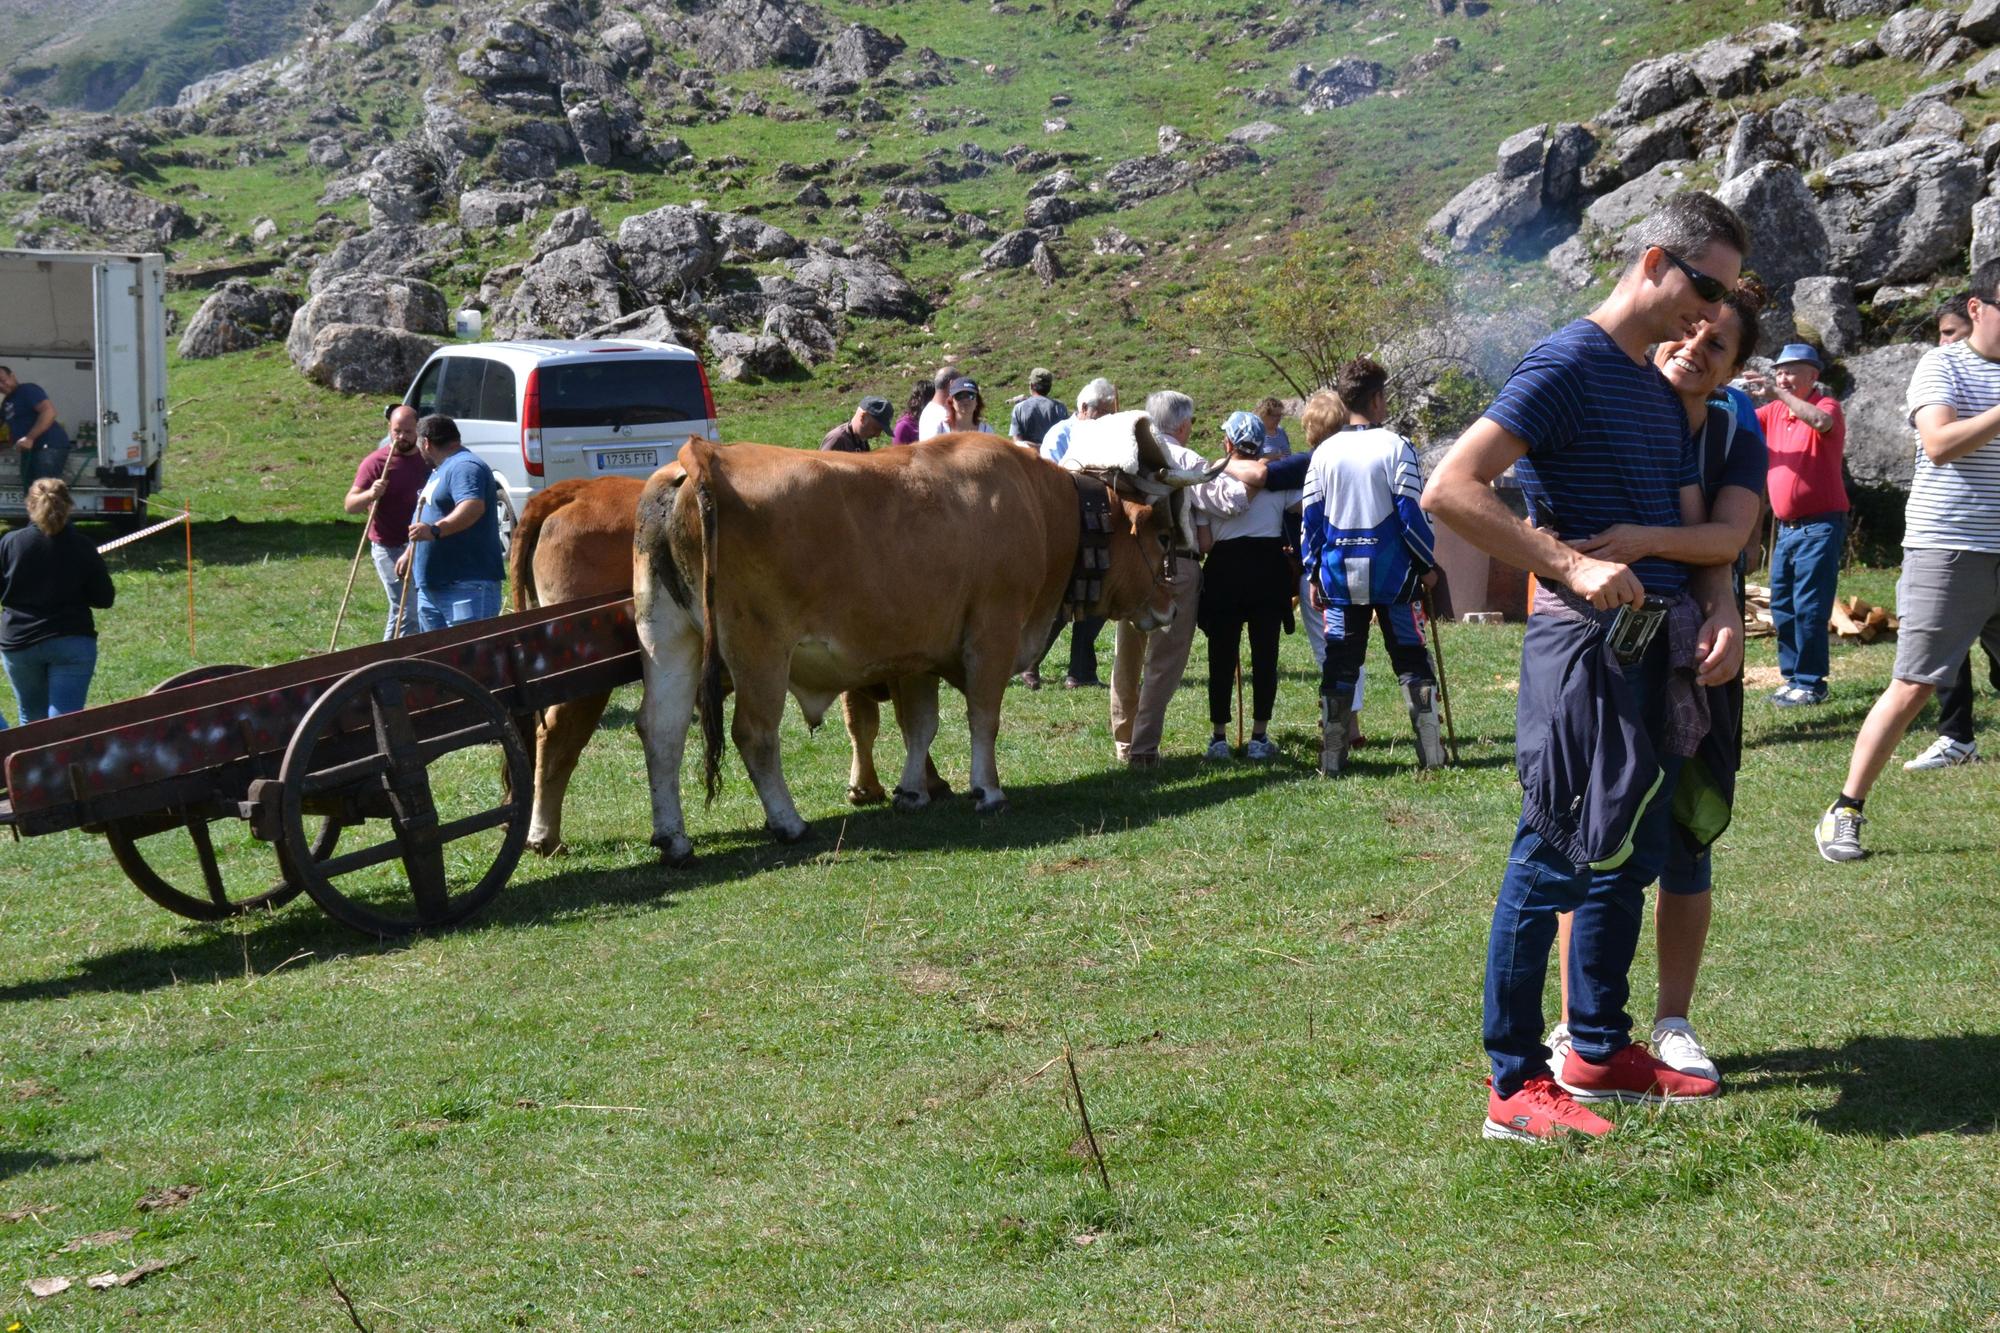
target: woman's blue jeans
52 676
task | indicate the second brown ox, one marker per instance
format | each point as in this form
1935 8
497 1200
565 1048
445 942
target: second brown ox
818 573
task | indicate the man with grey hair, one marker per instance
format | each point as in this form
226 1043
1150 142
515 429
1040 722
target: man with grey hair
1099 398
935 419
1147 668
1036 414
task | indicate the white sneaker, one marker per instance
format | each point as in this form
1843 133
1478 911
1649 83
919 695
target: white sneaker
1676 1045
1261 749
1944 752
1217 749
1558 1044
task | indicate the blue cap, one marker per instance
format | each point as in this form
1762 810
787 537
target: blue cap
1244 429
1798 352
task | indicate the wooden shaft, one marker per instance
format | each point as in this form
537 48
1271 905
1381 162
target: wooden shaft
353 567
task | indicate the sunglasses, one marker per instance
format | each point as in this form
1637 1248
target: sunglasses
1706 287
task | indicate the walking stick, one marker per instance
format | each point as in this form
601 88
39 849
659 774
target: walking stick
1444 691
353 567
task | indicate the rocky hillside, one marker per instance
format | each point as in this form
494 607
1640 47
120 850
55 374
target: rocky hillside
830 197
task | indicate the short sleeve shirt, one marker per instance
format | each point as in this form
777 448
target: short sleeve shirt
933 420
842 440
1056 443
1955 506
1807 478
471 556
1033 416
390 524
1608 442
22 407
1740 457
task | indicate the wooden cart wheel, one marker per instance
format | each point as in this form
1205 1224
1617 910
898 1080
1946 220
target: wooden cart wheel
216 901
393 765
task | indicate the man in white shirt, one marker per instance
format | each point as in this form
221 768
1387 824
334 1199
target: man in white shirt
935 419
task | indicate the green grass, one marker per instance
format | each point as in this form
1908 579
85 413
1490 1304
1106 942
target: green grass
825 1055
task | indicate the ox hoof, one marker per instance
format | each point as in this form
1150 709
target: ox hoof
676 852
869 795
793 834
548 846
987 805
906 799
939 789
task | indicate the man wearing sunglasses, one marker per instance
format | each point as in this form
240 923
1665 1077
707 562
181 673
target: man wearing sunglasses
1596 437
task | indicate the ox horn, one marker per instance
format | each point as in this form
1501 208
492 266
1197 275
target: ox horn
1179 478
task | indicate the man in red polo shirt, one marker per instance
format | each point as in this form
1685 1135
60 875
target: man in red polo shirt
1806 434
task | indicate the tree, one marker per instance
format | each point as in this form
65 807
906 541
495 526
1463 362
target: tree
1331 293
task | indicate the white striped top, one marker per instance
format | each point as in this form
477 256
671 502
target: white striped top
1955 506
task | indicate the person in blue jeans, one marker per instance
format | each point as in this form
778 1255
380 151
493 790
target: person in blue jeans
454 555
1806 435
1597 437
51 576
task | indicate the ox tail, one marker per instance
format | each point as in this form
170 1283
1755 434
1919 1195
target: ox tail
541 507
709 695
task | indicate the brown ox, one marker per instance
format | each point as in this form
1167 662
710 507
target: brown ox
575 540
820 573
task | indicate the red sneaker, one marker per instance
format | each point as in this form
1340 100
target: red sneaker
1632 1075
1539 1112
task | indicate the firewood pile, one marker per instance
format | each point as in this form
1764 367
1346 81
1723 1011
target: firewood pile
1851 621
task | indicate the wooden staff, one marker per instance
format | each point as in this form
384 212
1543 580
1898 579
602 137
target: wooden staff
1444 691
353 567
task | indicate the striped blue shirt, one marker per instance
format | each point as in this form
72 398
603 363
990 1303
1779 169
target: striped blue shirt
1607 439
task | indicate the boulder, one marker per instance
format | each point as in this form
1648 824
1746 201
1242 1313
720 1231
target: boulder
653 323
1044 264
1985 243
1573 262
1650 87
1635 150
1257 131
1981 22
401 184
1900 213
1913 33
1056 182
404 251
736 35
1051 210
326 152
1787 240
1950 52
364 358
856 55
1881 445
531 150
628 45
1842 10
1012 250
1852 115
743 237
114 215
590 126
1799 123
1727 69
669 250
1112 241
564 292
483 210
1824 314
1752 141
1571 148
807 333
565 229
1485 213
1522 153
399 304
1346 80
858 285
1921 116
742 356
237 316
1138 178
1169 138
1616 211
919 204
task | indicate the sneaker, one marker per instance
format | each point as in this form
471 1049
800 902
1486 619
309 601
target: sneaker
1674 1039
1631 1075
1944 752
1839 833
1558 1044
1798 696
1261 749
1217 749
1539 1113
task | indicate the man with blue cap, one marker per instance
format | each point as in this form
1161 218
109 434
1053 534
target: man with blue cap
1806 435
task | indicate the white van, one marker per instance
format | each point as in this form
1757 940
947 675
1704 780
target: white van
90 328
542 412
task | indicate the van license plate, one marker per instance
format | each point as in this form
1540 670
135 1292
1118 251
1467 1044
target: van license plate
622 458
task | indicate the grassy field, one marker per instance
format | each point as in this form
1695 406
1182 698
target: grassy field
797 1087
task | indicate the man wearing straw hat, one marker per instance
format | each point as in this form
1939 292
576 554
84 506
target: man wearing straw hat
385 488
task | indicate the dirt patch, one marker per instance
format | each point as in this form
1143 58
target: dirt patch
1762 677
923 979
1069 865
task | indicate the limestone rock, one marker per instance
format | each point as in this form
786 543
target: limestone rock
1112 241
1981 22
565 229
1787 240
1051 210
741 356
1898 214
668 250
1824 314
1138 178
806 332
395 251
919 204
1652 86
859 285
365 358
114 215
1045 265
1485 212
237 316
564 292
1346 80
398 304
1633 200
483 210
1257 131
1012 250
1522 153
1913 33
653 323
1881 445
1056 182
1985 242
856 55
737 35
1727 69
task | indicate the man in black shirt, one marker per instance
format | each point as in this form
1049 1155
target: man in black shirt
851 436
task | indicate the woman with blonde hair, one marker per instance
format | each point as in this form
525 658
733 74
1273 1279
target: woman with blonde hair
50 577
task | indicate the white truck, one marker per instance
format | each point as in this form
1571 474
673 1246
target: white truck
91 329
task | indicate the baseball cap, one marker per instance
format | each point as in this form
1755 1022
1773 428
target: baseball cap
1041 378
1243 428
879 409
1799 352
960 388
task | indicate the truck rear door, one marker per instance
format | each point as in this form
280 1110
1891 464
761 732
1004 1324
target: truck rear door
123 431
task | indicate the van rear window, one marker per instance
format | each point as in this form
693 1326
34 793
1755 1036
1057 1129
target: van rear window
621 393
